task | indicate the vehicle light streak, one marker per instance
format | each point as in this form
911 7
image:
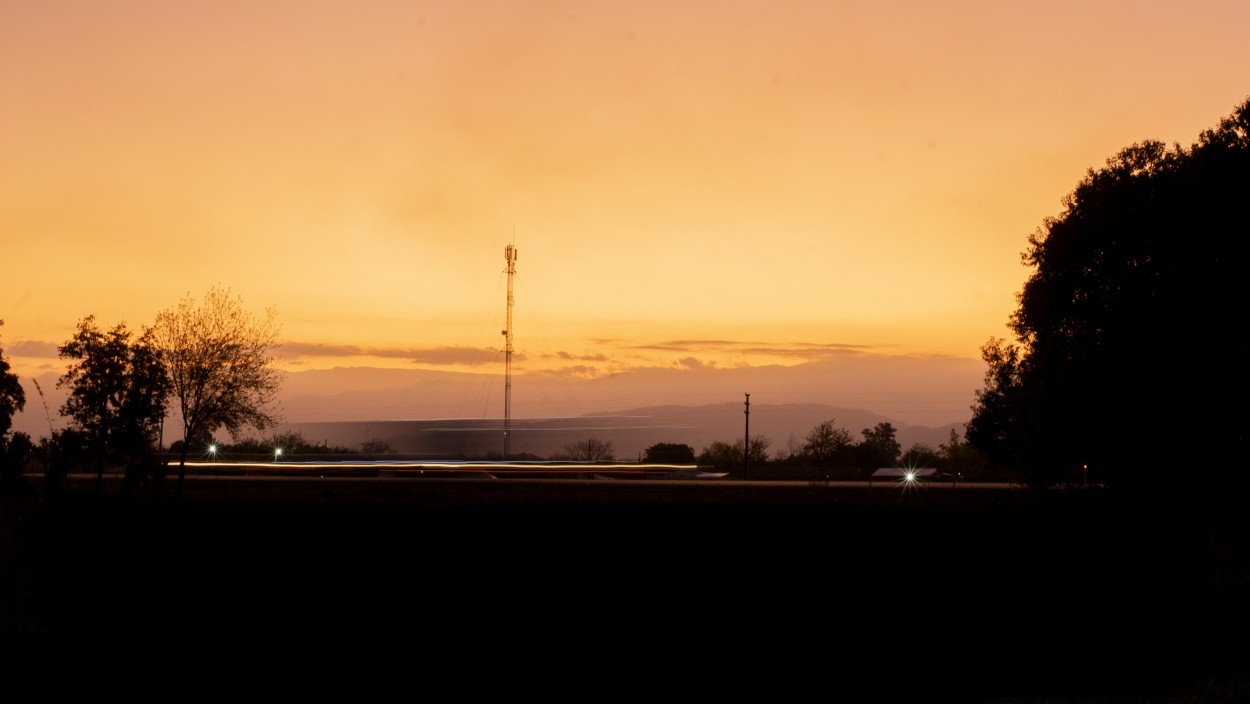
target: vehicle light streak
456 467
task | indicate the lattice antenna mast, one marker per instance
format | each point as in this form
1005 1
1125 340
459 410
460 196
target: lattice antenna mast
509 255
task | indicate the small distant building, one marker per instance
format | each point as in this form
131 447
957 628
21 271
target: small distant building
900 473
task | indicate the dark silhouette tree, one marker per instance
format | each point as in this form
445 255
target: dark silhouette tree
669 453
143 405
919 455
961 458
220 364
12 400
96 381
758 450
999 427
827 445
721 455
17 448
12 396
1135 286
879 448
117 393
291 442
288 444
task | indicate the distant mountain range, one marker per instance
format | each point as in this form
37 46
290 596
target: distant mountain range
631 431
923 397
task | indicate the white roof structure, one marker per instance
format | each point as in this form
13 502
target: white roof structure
900 472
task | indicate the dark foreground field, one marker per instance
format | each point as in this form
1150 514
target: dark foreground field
942 593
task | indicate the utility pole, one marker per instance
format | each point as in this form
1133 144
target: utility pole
509 255
746 442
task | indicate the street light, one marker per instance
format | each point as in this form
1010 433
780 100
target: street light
277 452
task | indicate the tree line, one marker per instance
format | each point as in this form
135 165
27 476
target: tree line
209 361
828 451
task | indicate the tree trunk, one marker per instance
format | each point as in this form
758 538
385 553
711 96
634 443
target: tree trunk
182 464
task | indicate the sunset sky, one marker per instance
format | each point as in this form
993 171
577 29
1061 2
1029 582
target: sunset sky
689 184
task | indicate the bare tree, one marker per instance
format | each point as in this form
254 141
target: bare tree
376 447
220 364
591 449
825 443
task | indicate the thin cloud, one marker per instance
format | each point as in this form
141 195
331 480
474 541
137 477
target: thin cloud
32 348
304 349
802 350
567 356
443 356
708 343
809 351
460 355
687 345
691 355
693 363
576 371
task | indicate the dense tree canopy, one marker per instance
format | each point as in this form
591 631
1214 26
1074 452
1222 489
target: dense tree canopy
669 453
12 400
117 392
1131 310
880 447
12 397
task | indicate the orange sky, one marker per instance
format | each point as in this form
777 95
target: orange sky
727 183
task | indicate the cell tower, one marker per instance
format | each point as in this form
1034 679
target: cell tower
509 255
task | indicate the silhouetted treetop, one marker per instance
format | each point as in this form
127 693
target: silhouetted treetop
12 396
669 453
1135 293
